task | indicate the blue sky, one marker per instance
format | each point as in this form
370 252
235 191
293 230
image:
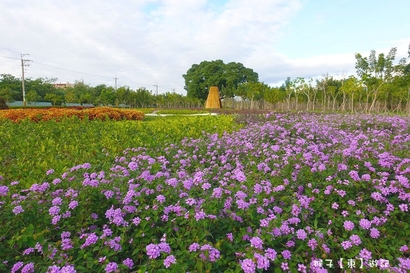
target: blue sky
344 26
149 42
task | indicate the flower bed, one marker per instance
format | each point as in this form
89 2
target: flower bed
296 193
57 114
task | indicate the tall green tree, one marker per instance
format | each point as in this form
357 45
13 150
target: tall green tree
42 86
350 89
55 99
200 77
10 88
84 93
32 97
8 94
401 82
375 71
252 91
107 96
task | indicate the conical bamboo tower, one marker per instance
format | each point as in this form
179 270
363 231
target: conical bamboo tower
213 100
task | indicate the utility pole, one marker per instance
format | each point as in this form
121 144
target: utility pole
24 62
115 88
156 85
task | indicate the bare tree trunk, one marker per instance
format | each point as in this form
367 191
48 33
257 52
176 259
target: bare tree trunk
352 108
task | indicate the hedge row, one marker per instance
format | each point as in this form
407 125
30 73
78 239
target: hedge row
102 113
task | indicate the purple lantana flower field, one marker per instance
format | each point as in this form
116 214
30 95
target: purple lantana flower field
287 192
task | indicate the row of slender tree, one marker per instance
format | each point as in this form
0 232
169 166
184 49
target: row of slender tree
380 85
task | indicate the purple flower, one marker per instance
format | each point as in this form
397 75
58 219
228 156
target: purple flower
348 225
374 233
261 261
346 244
200 215
217 193
111 267
57 201
53 269
169 260
345 213
248 266
355 239
28 268
301 234
173 182
108 194
91 239
73 204
194 247
160 198
68 269
4 190
28 251
256 242
214 254
326 248
16 267
206 186
242 204
404 248
132 166
49 172
284 266
239 175
404 207
153 251
55 219
18 209
54 210
365 254
128 262
136 221
286 254
302 268
312 243
164 247
114 243
270 254
66 244
365 224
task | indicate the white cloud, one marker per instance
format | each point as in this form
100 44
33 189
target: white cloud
145 42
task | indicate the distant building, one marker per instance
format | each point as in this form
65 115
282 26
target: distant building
63 85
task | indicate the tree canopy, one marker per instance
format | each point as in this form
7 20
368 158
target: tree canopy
227 77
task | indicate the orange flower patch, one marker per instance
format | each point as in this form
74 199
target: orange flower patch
102 113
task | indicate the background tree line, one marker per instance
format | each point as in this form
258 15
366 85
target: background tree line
44 90
380 85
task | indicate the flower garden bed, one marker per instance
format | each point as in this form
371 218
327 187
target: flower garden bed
57 114
294 193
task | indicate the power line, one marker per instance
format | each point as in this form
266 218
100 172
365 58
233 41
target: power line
70 70
10 57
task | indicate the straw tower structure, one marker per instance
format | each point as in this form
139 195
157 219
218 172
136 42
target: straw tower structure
213 100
